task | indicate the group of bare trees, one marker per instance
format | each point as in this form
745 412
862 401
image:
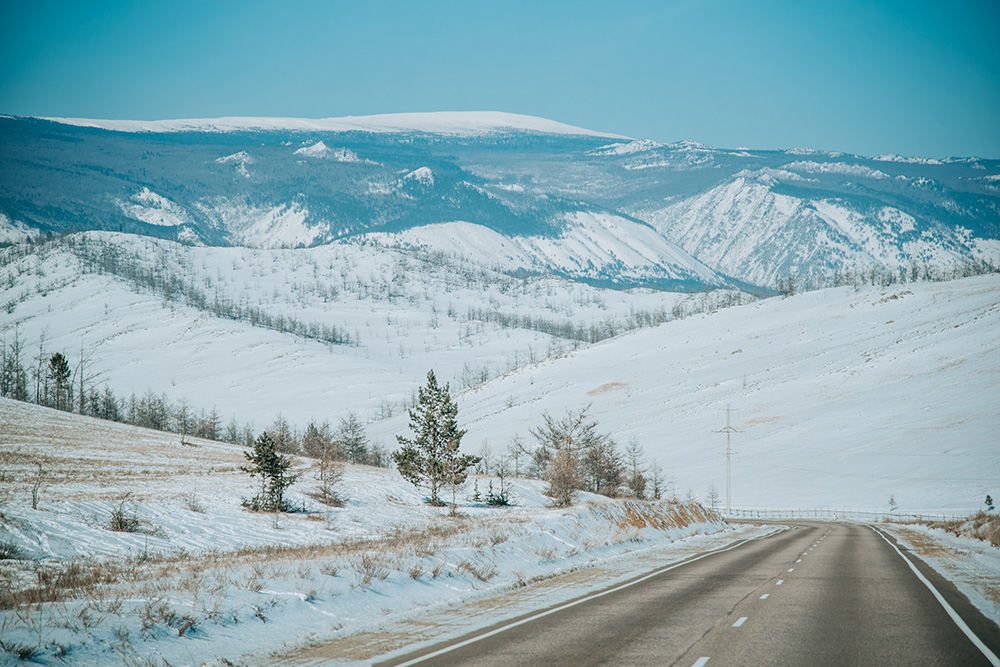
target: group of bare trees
571 455
880 276
348 442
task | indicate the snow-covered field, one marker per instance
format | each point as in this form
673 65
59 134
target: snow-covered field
204 579
842 398
404 312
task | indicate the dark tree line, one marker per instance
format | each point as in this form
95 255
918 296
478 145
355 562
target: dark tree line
53 381
878 276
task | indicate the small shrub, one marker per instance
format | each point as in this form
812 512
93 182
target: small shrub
121 522
370 567
22 651
192 503
10 551
480 572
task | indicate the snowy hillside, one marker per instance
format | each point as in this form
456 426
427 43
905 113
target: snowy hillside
448 123
590 245
842 397
713 216
200 579
341 327
748 227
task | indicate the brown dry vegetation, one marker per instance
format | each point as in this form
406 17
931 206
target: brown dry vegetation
982 526
636 514
105 457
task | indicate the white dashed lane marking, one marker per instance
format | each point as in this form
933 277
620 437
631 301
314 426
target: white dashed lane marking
743 619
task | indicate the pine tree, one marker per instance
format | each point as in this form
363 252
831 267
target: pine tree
352 439
574 453
283 436
59 373
432 458
272 468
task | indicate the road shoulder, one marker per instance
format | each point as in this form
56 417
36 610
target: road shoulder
406 633
965 571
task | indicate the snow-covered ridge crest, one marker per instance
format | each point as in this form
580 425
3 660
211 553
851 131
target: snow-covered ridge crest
627 147
462 123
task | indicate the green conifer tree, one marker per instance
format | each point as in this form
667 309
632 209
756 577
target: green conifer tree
431 458
272 468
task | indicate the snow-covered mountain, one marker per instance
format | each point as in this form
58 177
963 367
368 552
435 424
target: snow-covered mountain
560 199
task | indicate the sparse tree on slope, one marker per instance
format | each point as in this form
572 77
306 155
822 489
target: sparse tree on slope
656 480
563 476
576 454
713 497
13 377
635 476
59 374
352 439
318 443
273 470
432 458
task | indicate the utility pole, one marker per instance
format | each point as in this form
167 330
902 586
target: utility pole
729 453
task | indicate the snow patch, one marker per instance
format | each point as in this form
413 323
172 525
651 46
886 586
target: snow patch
855 170
892 157
241 160
627 148
13 231
154 209
317 150
423 175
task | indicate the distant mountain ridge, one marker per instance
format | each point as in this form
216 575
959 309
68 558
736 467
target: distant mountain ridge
563 200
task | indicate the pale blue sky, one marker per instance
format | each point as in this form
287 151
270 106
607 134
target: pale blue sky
910 77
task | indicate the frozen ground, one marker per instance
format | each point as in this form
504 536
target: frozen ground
203 579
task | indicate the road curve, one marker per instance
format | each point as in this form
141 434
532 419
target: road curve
819 593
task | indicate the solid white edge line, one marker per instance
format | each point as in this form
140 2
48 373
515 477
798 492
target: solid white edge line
504 628
990 655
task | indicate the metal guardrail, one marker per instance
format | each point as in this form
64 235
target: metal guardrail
828 514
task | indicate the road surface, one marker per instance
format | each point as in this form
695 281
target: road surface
817 594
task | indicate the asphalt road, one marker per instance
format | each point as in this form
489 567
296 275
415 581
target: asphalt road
818 594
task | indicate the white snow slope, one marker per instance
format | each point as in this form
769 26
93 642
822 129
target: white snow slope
205 580
608 245
842 398
744 228
444 122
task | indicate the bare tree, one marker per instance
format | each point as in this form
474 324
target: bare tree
712 497
318 442
635 480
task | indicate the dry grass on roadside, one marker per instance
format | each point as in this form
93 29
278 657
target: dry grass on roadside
982 526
